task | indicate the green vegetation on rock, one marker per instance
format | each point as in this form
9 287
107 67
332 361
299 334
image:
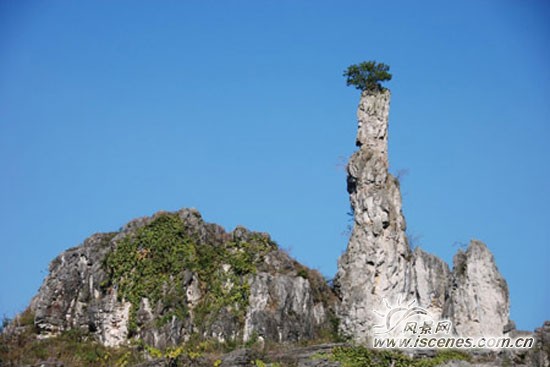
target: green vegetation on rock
156 261
358 356
74 348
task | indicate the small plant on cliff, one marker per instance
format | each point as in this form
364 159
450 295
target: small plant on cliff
368 76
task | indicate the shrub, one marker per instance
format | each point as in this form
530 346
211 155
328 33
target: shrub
368 76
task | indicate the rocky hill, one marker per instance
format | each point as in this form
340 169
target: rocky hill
172 277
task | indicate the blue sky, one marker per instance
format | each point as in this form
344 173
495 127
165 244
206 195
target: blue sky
114 110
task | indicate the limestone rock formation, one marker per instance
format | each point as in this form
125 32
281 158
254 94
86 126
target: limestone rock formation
172 280
479 301
379 268
376 264
170 277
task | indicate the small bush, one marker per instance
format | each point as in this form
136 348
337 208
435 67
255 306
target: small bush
368 76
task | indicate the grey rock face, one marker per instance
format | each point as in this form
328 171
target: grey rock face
288 302
430 282
277 303
70 296
284 302
379 266
479 302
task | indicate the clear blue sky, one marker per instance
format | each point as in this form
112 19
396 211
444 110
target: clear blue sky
114 110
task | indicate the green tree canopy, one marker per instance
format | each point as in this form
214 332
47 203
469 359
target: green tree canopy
368 75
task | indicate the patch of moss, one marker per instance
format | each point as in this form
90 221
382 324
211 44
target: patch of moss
152 263
358 356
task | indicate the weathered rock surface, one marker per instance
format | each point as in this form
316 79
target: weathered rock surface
479 301
430 282
71 296
226 286
379 268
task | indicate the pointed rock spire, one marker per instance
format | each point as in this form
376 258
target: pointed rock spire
376 263
479 303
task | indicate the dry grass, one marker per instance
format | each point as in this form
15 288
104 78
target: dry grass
20 346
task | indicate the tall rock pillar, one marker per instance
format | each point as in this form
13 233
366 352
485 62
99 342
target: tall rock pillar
376 264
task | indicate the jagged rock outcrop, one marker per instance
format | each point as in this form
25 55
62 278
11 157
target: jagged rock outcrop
170 277
379 268
479 302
